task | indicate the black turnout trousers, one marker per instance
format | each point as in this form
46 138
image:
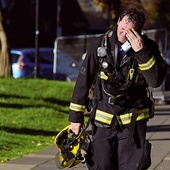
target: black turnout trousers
110 149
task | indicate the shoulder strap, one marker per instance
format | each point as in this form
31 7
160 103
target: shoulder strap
106 46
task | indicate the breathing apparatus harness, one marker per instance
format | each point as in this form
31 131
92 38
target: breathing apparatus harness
109 71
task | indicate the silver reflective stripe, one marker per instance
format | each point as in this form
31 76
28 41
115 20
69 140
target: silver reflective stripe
77 107
126 118
104 117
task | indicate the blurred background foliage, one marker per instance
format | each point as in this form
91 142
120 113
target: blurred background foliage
155 9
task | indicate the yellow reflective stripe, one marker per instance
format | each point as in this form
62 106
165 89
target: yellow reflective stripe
103 75
131 73
77 107
126 118
103 117
144 115
149 64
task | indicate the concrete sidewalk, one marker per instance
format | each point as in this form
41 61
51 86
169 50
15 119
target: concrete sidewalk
158 134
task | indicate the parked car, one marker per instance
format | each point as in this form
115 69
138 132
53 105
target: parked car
23 63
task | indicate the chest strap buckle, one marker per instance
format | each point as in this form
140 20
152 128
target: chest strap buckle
111 100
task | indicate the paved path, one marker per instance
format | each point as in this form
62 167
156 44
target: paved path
158 134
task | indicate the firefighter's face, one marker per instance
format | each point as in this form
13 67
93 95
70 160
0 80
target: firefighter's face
123 25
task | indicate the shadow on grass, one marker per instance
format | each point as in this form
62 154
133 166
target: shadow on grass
51 100
28 131
7 96
57 101
21 106
47 100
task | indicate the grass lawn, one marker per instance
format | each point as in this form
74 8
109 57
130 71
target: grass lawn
32 112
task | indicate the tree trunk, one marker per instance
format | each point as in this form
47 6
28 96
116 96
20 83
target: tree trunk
5 64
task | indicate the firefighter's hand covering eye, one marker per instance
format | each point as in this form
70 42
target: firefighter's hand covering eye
73 148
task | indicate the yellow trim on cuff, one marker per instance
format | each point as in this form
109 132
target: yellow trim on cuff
77 107
149 64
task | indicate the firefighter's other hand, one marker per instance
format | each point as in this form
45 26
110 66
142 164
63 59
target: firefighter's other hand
75 127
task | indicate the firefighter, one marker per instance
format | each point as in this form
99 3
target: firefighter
123 63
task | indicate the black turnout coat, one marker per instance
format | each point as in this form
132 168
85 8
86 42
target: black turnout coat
150 70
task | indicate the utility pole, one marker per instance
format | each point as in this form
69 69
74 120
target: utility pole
58 17
36 67
55 43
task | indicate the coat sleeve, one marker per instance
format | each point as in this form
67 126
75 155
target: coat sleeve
151 63
84 81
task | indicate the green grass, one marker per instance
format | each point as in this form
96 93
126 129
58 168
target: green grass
32 112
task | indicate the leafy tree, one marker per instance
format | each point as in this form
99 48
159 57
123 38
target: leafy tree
5 65
113 8
152 10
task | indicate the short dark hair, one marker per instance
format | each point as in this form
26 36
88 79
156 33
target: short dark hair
137 16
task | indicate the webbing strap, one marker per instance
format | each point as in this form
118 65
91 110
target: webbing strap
132 125
92 113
